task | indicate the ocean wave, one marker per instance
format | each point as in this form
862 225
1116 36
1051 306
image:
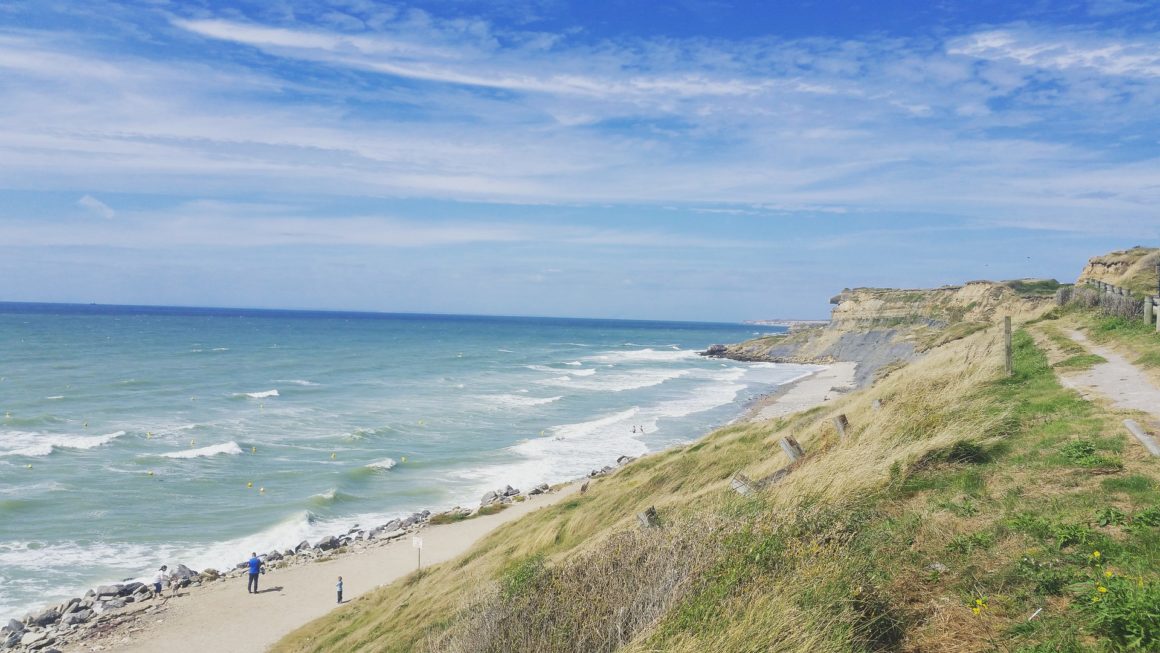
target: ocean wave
618 382
587 372
329 498
258 395
230 448
386 463
645 355
518 401
55 397
34 445
574 363
301 382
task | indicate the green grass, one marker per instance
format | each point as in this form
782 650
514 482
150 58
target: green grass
1080 362
966 489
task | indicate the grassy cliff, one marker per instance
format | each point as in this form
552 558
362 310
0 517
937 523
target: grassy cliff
1134 269
965 511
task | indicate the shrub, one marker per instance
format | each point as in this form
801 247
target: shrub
1127 613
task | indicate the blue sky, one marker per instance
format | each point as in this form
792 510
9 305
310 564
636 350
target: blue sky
700 159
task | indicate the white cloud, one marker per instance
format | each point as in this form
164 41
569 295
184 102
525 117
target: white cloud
96 206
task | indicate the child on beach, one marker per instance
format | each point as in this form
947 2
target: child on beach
159 579
339 586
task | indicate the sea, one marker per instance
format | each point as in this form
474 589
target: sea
136 436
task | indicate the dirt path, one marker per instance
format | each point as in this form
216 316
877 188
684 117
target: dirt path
1122 383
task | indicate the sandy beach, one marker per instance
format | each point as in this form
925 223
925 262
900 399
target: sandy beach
805 393
222 616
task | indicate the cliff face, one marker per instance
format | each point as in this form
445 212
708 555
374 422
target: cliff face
877 327
1134 269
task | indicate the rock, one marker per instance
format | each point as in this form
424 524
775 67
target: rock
510 491
505 500
211 573
36 639
15 626
393 534
425 514
716 351
129 588
288 553
607 469
90 594
392 525
113 604
273 556
46 618
184 573
490 498
76 618
327 543
12 640
939 567
624 460
302 546
108 590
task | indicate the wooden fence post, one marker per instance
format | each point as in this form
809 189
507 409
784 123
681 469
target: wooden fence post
1008 352
741 484
841 423
791 448
648 518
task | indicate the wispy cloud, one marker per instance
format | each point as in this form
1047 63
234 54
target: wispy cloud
96 206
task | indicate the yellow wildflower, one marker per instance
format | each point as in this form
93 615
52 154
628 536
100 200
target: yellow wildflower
976 610
1096 555
1108 573
1102 590
1096 599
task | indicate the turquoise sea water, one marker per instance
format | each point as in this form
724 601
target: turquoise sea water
129 435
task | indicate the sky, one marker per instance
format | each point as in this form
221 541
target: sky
693 160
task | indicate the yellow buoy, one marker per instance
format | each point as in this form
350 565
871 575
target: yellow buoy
151 473
86 425
420 422
192 442
250 484
332 455
253 450
148 435
29 465
404 459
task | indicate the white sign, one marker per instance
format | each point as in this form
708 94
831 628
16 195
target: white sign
417 542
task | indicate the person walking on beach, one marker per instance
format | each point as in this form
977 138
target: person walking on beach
255 569
159 579
339 586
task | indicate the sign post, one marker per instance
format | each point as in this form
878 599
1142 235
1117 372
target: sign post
417 542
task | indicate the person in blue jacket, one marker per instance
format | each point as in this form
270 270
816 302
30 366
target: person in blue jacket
255 569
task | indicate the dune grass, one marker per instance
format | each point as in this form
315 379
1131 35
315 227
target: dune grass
950 515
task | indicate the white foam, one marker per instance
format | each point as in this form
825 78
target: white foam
645 355
20 443
230 448
302 382
55 397
386 463
261 395
634 380
587 372
575 363
518 401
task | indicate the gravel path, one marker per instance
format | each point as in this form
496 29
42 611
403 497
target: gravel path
1121 382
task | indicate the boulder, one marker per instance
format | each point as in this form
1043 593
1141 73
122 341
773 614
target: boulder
288 553
36 639
398 532
113 604
15 626
302 546
510 491
108 590
327 543
392 525
542 488
183 572
76 618
46 618
12 640
490 498
129 588
273 556
624 460
210 573
425 514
